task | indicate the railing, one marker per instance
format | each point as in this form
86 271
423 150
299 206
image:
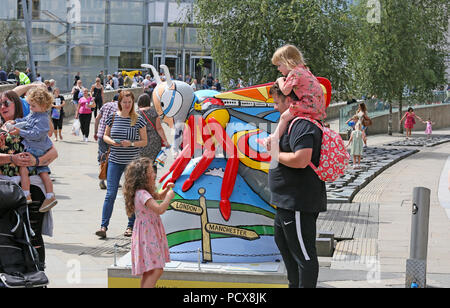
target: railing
377 107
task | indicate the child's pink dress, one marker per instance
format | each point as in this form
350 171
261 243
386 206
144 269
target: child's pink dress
428 130
149 248
311 99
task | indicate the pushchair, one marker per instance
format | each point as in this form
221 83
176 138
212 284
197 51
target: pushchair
19 260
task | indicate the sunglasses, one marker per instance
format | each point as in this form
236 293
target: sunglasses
6 103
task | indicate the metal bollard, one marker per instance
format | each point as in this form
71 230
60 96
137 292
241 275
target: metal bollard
416 265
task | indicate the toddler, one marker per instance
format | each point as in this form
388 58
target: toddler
149 247
429 130
357 139
34 130
308 101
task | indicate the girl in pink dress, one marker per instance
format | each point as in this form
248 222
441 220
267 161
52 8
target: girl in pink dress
300 86
429 129
149 248
410 121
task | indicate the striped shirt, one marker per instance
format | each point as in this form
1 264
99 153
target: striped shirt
122 130
106 110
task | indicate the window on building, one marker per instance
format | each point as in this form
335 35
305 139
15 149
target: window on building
35 8
130 60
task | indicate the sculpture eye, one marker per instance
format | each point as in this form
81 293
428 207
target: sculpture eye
171 102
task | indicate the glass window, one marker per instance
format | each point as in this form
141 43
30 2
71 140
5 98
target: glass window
49 32
9 9
35 9
173 37
127 12
190 38
85 56
130 60
91 34
126 35
74 11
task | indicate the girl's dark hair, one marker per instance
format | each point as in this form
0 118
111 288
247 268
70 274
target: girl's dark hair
18 109
143 100
136 177
362 107
410 109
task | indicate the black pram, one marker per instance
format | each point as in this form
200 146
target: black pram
19 260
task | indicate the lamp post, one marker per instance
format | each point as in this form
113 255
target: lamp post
164 34
27 20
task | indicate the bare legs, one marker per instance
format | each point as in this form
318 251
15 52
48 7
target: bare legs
150 278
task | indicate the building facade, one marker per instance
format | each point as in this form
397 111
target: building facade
87 36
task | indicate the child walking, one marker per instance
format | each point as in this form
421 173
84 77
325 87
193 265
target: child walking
429 129
308 101
149 247
357 139
34 130
410 121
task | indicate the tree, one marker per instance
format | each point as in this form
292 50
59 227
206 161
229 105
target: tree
13 49
404 47
244 34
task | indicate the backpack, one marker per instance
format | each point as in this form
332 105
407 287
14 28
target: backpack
334 157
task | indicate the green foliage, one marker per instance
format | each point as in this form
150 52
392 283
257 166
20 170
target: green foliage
359 53
406 48
13 47
244 35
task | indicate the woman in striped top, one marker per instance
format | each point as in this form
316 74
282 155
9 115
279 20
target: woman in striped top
125 132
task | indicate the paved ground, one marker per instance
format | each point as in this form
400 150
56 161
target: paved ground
75 260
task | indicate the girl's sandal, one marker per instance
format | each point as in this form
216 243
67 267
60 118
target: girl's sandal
128 232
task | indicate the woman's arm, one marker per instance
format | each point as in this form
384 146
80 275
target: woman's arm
21 90
28 160
78 110
299 159
90 104
107 137
403 117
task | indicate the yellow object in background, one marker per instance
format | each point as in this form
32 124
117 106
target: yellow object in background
130 74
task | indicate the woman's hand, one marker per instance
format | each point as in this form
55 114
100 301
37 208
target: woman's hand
23 159
125 143
15 131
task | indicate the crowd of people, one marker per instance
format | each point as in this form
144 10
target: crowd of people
129 138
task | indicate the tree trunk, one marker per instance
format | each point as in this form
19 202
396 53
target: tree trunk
400 105
390 120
